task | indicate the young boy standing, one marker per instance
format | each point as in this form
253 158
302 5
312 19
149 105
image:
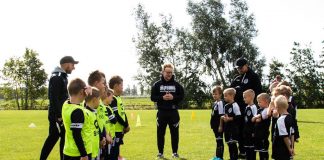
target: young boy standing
283 137
78 135
111 120
121 127
287 92
262 124
229 122
91 103
97 79
217 112
248 130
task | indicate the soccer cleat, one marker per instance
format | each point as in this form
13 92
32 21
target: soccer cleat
175 155
159 156
214 158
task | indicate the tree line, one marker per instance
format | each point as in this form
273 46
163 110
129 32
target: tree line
24 80
203 54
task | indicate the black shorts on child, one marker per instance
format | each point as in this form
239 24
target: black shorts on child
231 135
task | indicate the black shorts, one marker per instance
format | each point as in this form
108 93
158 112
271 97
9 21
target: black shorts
119 139
231 135
248 140
218 135
261 144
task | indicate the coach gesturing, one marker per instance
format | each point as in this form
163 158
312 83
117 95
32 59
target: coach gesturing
167 93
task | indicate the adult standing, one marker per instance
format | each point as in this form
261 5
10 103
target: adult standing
57 94
167 94
247 79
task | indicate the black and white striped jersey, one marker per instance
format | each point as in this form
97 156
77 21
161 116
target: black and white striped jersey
283 128
217 112
262 128
250 112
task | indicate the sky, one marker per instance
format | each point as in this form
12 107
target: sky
99 33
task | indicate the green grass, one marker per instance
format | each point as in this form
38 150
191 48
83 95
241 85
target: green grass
138 103
19 142
130 103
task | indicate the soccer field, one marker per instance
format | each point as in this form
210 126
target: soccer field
197 142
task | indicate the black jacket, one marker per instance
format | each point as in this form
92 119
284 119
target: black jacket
249 80
57 93
161 87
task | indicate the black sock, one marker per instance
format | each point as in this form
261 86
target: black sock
233 151
220 148
250 153
264 155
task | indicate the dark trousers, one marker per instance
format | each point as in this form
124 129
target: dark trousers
53 135
171 118
75 158
114 151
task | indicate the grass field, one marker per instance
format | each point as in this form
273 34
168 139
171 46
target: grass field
19 142
134 103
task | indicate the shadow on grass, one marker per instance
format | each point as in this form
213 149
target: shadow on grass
312 122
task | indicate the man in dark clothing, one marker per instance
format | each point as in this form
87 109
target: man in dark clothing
57 94
167 94
247 79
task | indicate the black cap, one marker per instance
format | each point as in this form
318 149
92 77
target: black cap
240 62
68 59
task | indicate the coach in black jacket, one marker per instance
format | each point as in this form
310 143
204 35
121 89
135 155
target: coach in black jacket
167 94
247 79
57 94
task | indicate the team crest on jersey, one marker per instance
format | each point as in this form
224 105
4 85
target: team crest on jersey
246 81
248 113
215 107
230 110
167 88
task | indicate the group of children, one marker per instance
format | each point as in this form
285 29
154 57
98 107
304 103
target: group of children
95 121
94 118
277 109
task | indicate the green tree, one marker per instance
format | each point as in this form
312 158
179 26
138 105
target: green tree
158 44
26 77
213 40
221 41
322 57
34 78
127 91
242 27
275 69
305 77
211 31
151 56
134 91
12 74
